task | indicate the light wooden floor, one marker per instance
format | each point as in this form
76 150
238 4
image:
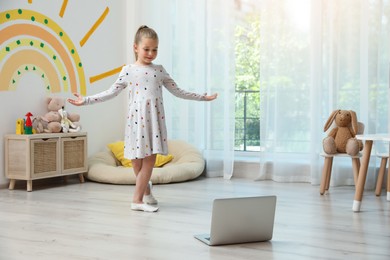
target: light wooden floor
94 221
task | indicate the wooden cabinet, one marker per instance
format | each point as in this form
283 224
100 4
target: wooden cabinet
38 156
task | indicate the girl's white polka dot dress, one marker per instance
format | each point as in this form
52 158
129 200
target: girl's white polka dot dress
146 131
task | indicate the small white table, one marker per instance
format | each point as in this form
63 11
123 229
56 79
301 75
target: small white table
369 139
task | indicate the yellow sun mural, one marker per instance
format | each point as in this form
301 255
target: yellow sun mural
32 42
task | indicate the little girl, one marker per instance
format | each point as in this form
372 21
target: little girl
145 134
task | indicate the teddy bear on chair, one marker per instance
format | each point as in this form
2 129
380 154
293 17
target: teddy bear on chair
341 139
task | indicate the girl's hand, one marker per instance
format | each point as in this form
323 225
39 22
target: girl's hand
210 98
77 102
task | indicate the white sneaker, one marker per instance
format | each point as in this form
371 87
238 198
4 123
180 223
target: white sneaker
143 207
150 199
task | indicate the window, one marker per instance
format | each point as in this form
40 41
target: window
247 78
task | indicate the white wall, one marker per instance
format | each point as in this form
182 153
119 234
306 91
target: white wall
145 13
106 49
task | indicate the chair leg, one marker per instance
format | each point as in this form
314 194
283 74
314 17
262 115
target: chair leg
329 173
325 174
355 167
381 174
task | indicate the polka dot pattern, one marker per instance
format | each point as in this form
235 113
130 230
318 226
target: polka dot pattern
146 131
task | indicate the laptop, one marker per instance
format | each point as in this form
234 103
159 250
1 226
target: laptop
241 220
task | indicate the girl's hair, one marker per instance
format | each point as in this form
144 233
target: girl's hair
144 31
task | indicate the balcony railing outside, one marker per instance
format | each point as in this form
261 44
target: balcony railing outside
247 120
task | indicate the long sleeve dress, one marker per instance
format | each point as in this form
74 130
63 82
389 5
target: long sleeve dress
146 131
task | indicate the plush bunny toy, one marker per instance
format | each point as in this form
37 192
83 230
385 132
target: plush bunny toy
66 124
341 139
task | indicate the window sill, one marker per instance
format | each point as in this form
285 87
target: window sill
252 157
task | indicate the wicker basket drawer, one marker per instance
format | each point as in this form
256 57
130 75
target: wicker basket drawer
45 157
74 154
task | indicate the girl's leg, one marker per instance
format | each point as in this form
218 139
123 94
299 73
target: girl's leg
137 166
143 174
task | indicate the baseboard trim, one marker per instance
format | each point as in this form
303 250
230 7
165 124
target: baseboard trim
247 170
4 185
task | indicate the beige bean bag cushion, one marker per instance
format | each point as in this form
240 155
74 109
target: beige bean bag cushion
187 164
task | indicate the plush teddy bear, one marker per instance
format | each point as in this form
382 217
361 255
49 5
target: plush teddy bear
341 139
51 121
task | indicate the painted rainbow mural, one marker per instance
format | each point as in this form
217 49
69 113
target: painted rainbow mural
32 42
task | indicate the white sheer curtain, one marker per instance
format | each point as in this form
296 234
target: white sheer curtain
220 78
196 48
317 56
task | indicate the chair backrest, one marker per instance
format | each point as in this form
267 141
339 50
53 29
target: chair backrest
360 128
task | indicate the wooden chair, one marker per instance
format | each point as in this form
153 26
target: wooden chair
381 175
328 162
327 170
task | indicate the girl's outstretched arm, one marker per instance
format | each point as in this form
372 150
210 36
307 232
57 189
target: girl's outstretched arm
172 87
119 85
210 98
77 102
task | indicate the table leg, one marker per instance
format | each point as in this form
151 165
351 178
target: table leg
388 183
362 176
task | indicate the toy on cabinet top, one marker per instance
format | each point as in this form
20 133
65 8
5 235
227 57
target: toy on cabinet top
66 124
51 121
19 126
28 125
341 139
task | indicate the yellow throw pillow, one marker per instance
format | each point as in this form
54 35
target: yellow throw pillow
161 160
117 149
